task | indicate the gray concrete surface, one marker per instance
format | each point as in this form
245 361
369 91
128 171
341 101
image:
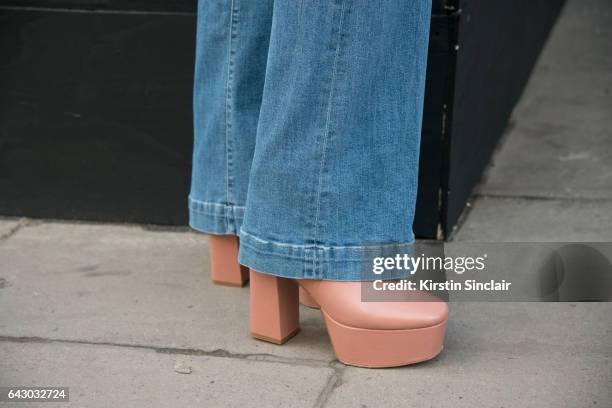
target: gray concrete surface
529 220
110 307
130 285
498 378
110 376
560 144
110 310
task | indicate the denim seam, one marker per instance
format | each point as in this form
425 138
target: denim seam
333 260
363 248
227 210
233 33
292 261
212 204
326 135
285 256
215 218
218 216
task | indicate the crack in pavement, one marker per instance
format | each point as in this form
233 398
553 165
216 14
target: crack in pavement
263 357
333 382
21 223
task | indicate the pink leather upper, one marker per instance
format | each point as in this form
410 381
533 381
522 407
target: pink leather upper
342 302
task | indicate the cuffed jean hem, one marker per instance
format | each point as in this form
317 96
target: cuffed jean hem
215 218
337 263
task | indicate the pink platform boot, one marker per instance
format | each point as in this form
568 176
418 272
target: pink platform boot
225 269
224 266
364 334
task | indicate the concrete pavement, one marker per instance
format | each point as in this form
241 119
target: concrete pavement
111 311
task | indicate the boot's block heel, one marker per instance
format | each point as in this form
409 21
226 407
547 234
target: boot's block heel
274 308
224 266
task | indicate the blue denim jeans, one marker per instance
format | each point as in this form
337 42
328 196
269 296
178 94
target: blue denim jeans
307 129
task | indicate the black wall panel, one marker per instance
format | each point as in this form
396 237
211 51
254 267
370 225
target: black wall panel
498 44
95 115
162 6
439 90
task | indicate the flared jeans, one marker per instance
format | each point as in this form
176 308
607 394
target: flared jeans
307 119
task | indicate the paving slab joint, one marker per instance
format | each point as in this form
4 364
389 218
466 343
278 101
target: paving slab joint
333 381
259 357
21 223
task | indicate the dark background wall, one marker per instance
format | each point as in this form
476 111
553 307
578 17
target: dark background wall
95 113
498 45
